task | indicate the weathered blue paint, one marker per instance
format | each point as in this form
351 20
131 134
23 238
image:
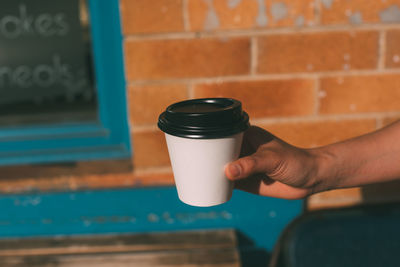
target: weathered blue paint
108 137
141 210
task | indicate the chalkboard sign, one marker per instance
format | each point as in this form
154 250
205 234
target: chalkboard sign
45 61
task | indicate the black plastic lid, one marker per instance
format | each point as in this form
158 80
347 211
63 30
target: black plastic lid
205 118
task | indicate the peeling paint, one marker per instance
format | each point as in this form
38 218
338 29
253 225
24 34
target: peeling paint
100 219
396 58
322 94
356 18
187 218
167 218
262 19
153 218
34 201
279 11
390 14
272 214
233 3
212 21
327 3
310 23
29 201
346 66
299 21
226 215
87 223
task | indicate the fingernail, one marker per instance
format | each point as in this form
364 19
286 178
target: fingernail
234 170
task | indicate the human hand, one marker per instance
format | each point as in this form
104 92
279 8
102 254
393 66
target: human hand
270 167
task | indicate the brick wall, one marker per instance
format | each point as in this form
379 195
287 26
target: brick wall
310 71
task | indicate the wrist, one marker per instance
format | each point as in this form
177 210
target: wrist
325 174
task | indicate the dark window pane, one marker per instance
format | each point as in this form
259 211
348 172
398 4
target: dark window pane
46 73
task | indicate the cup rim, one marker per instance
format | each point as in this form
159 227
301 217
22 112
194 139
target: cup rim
226 118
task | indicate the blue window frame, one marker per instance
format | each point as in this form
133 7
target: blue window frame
106 138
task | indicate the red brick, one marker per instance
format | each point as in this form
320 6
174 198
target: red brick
186 58
322 132
392 57
149 150
355 94
266 97
347 12
102 181
151 16
318 52
245 14
154 178
148 101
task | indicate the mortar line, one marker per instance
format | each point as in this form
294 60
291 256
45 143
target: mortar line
382 50
190 90
279 76
258 32
325 117
152 170
379 122
253 56
185 16
317 87
144 128
317 12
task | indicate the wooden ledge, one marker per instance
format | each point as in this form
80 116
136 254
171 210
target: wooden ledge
63 169
189 248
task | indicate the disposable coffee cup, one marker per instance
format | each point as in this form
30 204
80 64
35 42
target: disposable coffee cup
203 135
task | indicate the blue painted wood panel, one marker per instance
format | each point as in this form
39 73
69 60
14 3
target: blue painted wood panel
141 210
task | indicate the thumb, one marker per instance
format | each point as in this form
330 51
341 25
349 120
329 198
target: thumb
267 162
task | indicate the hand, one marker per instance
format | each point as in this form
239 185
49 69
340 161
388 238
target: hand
270 167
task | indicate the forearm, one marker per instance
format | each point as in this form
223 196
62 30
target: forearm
367 159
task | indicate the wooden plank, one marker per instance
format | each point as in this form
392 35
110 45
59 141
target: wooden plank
184 258
187 248
139 210
210 239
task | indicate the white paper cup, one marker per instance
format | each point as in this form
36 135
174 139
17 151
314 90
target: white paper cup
203 135
198 166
